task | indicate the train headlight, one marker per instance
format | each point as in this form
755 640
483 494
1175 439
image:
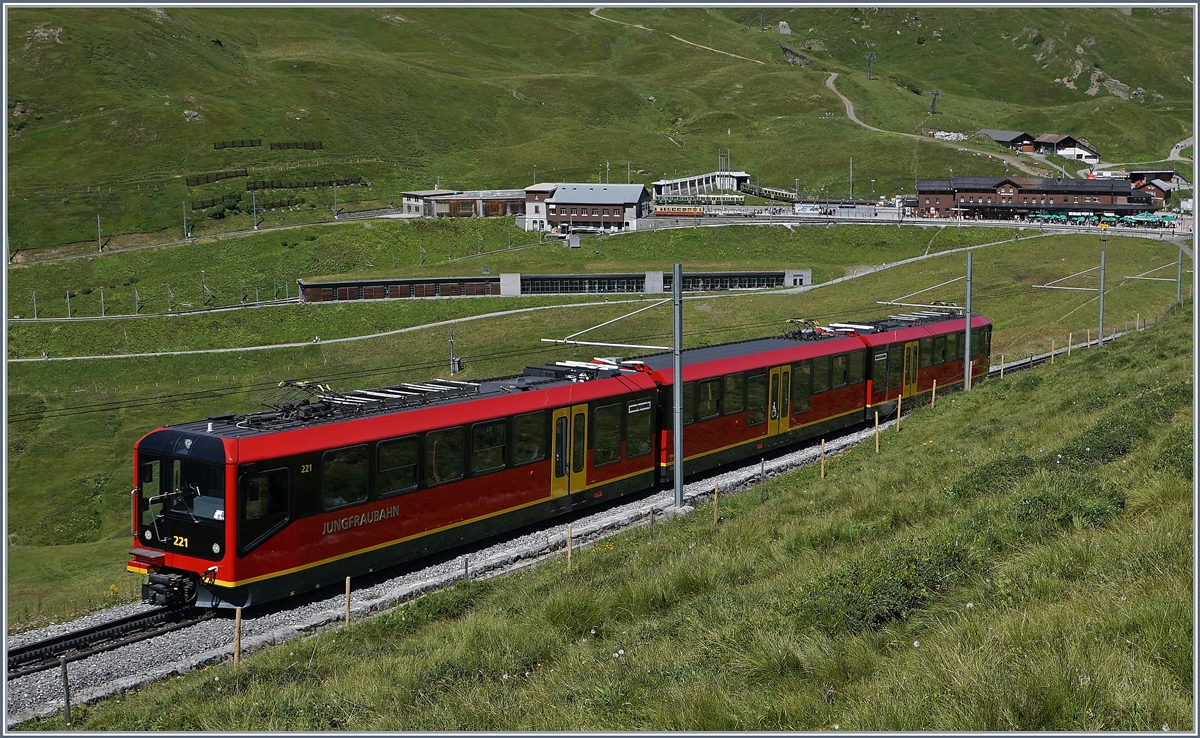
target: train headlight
216 548
146 535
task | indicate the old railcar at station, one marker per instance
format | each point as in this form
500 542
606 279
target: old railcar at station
239 510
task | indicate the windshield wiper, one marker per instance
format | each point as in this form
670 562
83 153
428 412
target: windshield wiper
179 493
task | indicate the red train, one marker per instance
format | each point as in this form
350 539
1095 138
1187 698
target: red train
243 509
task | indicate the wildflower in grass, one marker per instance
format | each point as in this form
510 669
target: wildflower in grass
970 605
916 644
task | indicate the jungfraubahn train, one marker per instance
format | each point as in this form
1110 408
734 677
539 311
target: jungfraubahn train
239 510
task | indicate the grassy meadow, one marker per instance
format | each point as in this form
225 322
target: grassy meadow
1016 558
110 110
267 261
72 423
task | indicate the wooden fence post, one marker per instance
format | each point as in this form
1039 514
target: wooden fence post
762 480
1002 366
62 661
237 636
876 431
822 458
933 397
347 600
716 500
1070 340
568 545
650 527
899 407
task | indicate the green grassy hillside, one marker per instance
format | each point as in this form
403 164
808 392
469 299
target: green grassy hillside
72 424
453 247
1016 558
110 110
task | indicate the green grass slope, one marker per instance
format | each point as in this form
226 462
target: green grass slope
1016 558
266 261
111 109
72 424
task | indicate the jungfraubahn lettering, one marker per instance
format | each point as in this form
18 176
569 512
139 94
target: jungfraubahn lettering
354 521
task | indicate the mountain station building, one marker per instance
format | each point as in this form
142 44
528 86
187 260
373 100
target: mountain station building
1007 198
565 207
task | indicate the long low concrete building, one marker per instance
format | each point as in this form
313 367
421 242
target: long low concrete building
515 284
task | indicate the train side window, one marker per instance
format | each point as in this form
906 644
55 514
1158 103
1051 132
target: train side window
785 391
709 401
837 372
756 399
895 366
962 345
855 367
773 393
444 455
952 347
879 372
606 435
735 393
689 402
820 374
343 476
150 481
529 438
396 469
638 428
926 352
560 447
939 350
264 506
487 446
986 345
801 386
578 439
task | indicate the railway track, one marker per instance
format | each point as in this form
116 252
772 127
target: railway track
80 644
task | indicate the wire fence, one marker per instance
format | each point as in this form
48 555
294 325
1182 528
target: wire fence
275 184
202 204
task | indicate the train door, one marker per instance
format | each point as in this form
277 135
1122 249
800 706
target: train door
570 450
911 353
780 394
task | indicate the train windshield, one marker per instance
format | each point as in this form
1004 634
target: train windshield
191 489
181 505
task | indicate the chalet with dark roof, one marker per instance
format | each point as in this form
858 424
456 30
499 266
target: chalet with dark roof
1066 147
1015 140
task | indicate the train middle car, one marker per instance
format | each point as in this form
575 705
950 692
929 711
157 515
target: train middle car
243 509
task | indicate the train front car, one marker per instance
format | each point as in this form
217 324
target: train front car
246 509
181 481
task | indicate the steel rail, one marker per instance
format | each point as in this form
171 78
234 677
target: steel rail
80 644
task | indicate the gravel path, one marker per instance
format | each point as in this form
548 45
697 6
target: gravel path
211 642
1015 161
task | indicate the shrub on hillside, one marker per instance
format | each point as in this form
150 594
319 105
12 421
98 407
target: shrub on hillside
1056 500
880 588
1108 439
1173 452
994 477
